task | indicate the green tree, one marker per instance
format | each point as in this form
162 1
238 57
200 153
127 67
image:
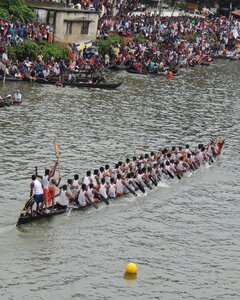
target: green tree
16 9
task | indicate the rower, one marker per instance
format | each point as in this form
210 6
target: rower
112 188
103 188
18 96
180 166
76 185
64 197
83 195
119 185
92 193
87 178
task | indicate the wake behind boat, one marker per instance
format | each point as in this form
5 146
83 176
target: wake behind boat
124 179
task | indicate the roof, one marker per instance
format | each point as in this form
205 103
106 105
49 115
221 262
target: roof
65 9
236 13
79 20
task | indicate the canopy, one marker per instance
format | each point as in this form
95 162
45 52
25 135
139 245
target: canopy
236 13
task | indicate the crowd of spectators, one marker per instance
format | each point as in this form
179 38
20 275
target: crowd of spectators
150 43
14 32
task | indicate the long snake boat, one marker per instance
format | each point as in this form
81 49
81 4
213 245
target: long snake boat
169 174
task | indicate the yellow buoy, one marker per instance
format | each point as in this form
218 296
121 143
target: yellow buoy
131 268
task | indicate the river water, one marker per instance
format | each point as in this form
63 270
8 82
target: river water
184 237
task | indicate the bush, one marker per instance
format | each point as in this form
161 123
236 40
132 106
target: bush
54 50
106 43
22 50
3 13
31 50
140 39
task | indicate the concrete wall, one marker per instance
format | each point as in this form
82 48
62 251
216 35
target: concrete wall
77 22
59 18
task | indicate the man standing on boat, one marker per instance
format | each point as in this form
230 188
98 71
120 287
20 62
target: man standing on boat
45 182
36 190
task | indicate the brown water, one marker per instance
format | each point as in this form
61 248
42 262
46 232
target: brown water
184 237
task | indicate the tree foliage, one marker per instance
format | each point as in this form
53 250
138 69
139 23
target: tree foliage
31 50
106 43
16 9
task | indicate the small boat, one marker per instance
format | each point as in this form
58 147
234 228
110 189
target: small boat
81 84
108 86
118 67
11 78
147 73
16 102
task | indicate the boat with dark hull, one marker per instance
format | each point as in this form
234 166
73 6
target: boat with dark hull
25 217
107 86
80 84
11 78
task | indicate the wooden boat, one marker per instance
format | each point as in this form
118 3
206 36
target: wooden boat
108 86
80 84
26 218
118 67
147 73
11 78
16 102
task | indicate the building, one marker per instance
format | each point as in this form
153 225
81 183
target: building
70 25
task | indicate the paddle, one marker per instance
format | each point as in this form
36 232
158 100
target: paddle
170 174
210 158
105 200
56 151
178 176
92 203
153 181
141 188
147 184
131 190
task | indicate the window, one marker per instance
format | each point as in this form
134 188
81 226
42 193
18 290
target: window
85 27
68 27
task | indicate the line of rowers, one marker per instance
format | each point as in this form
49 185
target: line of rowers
126 177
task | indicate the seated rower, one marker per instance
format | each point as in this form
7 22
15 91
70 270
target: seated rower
64 197
103 188
83 196
93 194
75 186
112 188
18 96
8 100
2 104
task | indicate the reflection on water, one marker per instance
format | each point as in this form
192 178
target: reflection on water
183 236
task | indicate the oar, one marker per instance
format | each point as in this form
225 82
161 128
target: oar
147 185
105 200
141 188
131 190
210 158
153 181
56 151
92 203
170 174
178 176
